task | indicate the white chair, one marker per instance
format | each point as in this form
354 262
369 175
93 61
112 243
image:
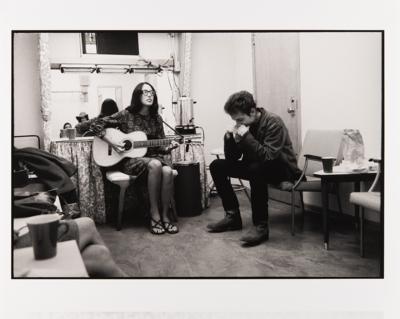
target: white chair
317 144
123 181
21 141
367 200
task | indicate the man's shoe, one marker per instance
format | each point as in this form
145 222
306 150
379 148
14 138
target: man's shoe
231 221
255 236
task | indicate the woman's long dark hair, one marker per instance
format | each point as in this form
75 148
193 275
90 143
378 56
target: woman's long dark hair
108 107
136 104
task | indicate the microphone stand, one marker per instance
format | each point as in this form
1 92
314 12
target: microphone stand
173 129
183 137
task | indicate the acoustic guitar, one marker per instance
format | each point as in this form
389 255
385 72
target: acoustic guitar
135 145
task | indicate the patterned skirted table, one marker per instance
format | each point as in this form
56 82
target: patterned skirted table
88 179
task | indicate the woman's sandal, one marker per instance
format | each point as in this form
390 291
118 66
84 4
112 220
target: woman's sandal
156 227
170 228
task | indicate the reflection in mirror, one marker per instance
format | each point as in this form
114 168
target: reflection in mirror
109 92
73 93
112 42
80 82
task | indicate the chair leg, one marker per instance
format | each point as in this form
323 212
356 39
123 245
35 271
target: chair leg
245 189
362 232
122 191
338 198
211 186
293 211
302 209
174 215
381 249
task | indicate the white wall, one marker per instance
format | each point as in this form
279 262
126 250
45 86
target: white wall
341 84
341 88
27 115
221 65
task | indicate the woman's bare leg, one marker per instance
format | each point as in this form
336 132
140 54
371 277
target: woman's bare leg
154 180
166 191
166 194
153 183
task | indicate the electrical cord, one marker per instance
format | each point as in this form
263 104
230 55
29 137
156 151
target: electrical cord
179 91
172 93
203 134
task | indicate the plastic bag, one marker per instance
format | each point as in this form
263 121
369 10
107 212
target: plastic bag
353 150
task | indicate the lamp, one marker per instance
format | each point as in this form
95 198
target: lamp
146 70
121 69
77 68
107 68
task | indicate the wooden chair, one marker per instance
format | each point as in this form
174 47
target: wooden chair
367 200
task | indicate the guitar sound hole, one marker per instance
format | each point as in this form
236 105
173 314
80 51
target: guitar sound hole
127 145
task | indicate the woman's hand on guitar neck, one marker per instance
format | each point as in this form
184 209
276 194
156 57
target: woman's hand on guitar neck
173 145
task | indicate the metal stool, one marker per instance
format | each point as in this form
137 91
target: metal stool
236 187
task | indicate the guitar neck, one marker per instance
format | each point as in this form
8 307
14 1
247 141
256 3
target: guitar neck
152 143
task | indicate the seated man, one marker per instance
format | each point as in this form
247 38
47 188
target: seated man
268 158
82 118
95 255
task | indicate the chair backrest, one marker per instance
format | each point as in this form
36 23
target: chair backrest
321 143
376 183
21 141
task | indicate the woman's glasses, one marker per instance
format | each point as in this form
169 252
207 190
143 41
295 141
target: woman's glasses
148 92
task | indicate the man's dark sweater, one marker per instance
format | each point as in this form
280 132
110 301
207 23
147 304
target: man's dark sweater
267 139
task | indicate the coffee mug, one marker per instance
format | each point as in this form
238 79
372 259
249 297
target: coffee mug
43 230
327 164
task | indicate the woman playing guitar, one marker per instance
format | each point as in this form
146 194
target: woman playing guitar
142 115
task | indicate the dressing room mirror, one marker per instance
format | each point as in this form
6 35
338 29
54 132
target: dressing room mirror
85 72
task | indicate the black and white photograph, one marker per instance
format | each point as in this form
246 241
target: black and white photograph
172 154
207 159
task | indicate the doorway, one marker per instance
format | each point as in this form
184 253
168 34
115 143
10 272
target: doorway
276 62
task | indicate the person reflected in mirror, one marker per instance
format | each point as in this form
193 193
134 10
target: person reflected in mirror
152 169
108 107
63 133
82 126
82 117
258 149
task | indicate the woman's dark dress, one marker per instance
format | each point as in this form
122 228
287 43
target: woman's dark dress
128 122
